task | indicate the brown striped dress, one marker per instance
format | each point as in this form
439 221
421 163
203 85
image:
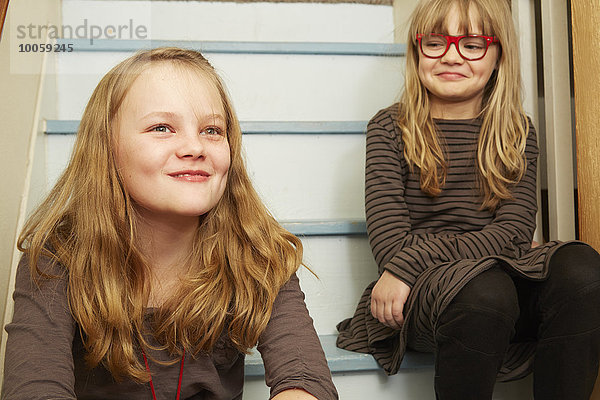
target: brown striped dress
437 244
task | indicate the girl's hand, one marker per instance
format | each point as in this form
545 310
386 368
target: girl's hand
387 300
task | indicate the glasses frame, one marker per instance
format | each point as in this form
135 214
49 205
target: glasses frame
489 40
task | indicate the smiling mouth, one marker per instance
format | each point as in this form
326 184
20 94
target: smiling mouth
190 175
451 75
187 174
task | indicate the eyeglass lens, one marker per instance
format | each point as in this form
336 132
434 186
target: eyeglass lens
468 47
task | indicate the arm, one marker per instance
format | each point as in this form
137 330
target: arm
39 362
388 220
291 350
405 254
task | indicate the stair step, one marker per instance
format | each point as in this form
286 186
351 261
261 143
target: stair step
234 47
69 127
341 361
326 228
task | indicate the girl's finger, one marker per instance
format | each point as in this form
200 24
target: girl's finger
389 317
398 312
374 309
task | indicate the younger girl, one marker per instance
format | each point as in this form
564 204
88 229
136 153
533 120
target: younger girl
152 266
450 203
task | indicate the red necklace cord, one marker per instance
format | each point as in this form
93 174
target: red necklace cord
180 374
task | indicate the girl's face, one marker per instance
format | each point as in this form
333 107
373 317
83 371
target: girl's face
171 145
456 85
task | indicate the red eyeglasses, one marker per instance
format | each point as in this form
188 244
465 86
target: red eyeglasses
470 47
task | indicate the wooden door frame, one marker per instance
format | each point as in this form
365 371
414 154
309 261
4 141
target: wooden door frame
585 22
3 10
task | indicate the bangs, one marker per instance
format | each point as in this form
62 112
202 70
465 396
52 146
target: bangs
435 20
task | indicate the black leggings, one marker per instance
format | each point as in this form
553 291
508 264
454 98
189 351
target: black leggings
561 314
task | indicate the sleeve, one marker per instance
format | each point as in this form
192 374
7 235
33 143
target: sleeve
39 362
291 350
405 254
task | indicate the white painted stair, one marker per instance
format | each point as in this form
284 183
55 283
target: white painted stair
304 79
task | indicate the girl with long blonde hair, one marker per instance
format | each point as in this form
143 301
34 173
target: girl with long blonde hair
152 266
450 200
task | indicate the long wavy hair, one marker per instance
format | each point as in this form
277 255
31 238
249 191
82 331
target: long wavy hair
504 127
241 256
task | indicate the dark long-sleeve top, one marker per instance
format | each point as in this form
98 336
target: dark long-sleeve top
45 354
437 244
409 231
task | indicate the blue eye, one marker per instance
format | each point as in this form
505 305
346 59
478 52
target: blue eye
211 131
162 129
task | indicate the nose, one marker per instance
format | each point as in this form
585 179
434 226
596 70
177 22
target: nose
190 145
452 56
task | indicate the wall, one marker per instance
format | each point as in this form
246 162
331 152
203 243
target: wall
402 12
20 79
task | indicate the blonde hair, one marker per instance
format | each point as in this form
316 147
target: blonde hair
504 126
240 259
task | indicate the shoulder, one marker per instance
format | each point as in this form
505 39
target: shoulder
530 126
531 147
385 124
386 118
45 265
46 275
386 115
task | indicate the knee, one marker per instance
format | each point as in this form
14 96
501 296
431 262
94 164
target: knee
572 303
492 292
575 273
483 314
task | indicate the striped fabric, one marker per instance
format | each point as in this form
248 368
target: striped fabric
437 244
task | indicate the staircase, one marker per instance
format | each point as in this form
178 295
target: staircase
304 79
